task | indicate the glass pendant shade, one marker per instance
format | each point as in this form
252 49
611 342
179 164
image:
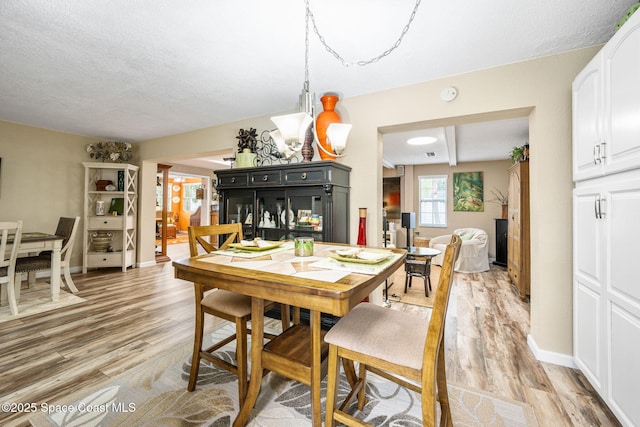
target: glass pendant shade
337 134
293 127
282 147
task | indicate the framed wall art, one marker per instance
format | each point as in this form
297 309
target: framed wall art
468 192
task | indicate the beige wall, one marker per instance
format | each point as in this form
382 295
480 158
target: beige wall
540 89
42 178
495 176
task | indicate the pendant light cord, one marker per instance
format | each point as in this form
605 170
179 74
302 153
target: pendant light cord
309 15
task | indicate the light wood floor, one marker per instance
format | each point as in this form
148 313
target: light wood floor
134 316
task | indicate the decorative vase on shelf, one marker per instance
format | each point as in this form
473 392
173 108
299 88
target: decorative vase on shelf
246 159
324 119
362 228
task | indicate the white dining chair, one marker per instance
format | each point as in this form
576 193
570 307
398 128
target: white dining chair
8 262
67 228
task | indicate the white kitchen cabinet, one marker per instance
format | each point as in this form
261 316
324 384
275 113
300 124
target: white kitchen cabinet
606 289
109 239
606 108
606 205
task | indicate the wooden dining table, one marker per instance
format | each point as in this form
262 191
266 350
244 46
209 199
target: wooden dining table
321 283
35 242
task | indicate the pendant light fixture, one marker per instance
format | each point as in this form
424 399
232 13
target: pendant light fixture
295 132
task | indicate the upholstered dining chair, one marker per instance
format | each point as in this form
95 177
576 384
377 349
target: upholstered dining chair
67 228
8 262
223 304
398 346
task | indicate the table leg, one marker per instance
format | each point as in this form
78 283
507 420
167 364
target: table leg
316 368
257 342
55 270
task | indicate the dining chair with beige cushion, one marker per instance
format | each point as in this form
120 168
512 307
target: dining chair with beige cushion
396 345
8 262
223 304
67 228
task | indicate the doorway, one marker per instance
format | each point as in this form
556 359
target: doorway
182 200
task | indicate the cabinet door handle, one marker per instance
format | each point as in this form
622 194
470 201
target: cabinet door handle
602 153
595 154
598 206
304 175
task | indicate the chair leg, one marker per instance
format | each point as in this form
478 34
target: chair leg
11 296
285 316
197 346
406 281
17 285
362 397
443 393
241 359
332 386
32 278
427 285
68 281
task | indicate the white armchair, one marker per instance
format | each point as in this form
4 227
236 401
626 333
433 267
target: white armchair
474 252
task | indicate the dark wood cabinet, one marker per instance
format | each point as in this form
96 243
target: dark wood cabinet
281 202
502 226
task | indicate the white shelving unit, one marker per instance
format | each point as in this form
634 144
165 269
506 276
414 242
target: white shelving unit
122 227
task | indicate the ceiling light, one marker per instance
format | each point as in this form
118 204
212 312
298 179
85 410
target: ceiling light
422 140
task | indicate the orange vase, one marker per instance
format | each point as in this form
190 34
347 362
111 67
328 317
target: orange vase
324 119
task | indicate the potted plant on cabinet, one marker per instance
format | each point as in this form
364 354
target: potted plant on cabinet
519 153
247 143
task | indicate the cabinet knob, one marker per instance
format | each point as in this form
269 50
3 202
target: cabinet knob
304 175
233 179
265 178
106 222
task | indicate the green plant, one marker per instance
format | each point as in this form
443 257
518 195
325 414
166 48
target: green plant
516 154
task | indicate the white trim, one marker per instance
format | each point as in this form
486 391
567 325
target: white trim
565 360
147 264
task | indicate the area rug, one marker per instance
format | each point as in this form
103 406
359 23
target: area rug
155 394
38 300
415 293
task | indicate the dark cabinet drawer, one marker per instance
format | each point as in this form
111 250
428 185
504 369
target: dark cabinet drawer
265 178
233 180
308 175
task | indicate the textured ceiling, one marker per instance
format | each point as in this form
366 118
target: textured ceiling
138 69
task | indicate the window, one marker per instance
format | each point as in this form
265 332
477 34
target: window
190 201
433 200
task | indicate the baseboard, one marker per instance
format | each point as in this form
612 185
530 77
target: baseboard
561 359
147 264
